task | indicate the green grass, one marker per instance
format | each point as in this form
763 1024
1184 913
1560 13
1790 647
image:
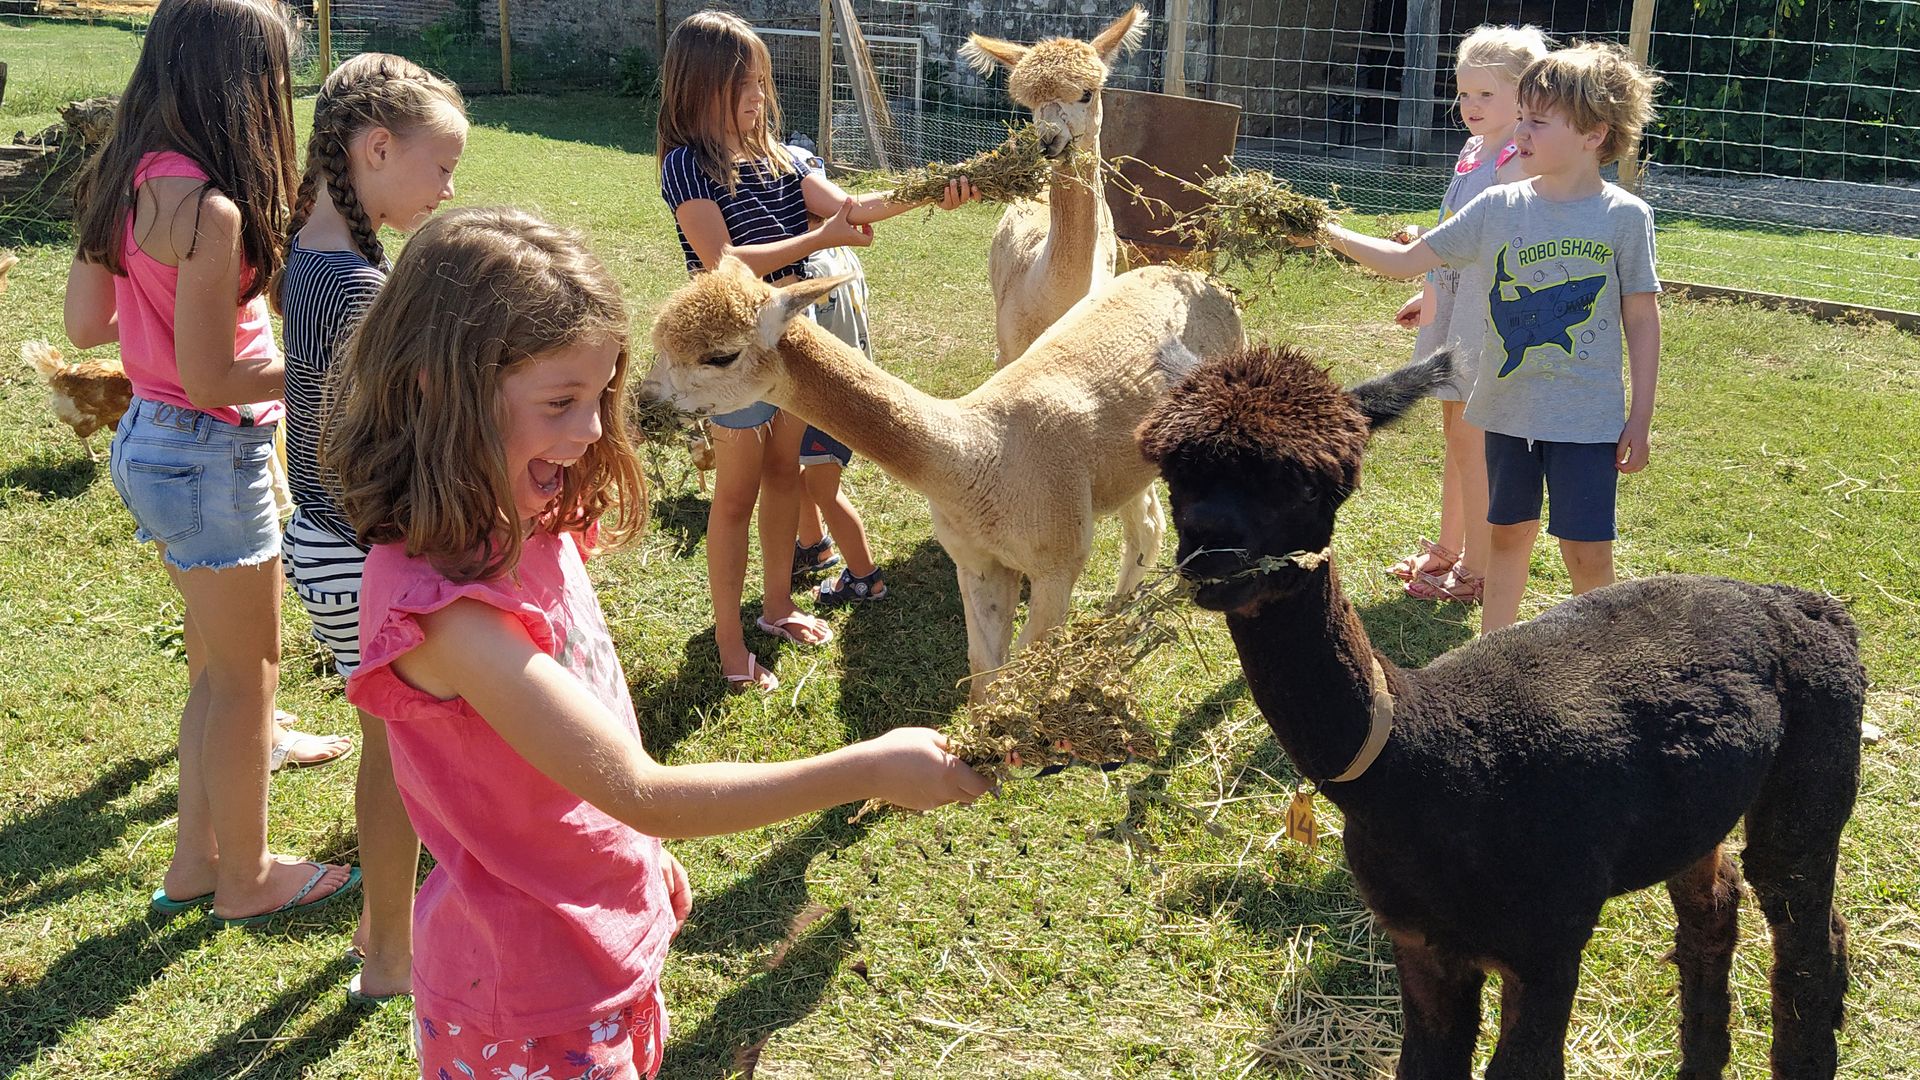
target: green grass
1784 451
50 63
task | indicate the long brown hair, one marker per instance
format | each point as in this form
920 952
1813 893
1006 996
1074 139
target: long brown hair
709 56
213 82
415 437
368 91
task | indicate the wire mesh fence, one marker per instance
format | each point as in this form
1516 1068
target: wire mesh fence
1786 156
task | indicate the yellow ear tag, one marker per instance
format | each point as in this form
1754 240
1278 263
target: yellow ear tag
1302 827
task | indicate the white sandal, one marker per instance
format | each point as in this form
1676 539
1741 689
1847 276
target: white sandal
740 684
282 753
778 628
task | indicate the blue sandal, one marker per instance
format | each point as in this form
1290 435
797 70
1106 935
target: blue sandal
163 904
849 589
807 558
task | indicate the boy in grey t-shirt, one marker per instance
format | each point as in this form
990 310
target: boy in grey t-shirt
1565 263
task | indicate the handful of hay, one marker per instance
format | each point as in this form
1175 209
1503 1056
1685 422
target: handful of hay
1249 215
1070 697
659 421
1016 169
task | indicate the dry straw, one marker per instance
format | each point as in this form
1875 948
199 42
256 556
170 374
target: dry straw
1016 169
1244 215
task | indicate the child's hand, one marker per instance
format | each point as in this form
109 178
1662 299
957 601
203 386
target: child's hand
679 890
840 231
1630 455
959 193
1409 313
913 769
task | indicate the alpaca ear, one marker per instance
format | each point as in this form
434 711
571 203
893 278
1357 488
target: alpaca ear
1121 36
982 53
787 304
1386 398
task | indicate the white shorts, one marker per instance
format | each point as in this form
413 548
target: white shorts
325 571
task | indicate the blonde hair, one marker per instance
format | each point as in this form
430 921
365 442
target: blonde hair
709 55
416 437
368 91
1595 84
1503 50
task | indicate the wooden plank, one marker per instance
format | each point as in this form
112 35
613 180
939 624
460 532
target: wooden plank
1174 76
1821 309
823 139
506 52
1639 41
323 15
866 88
1415 117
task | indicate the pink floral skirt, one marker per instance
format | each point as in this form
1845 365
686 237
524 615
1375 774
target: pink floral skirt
624 1045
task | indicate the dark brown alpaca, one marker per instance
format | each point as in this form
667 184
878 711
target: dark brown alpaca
1608 745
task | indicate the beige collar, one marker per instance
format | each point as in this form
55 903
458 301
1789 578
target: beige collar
1381 727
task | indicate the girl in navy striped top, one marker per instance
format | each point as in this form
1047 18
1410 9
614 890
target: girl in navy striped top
386 138
734 190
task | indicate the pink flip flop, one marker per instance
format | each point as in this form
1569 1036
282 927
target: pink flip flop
778 628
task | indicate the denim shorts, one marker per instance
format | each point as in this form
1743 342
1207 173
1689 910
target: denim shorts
755 415
819 448
1581 480
201 486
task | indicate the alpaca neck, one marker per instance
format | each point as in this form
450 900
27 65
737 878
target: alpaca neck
1077 215
1309 665
917 439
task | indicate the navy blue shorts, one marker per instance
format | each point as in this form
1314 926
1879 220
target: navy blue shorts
819 448
1580 481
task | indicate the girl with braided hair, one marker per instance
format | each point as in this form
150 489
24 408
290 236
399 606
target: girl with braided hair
387 136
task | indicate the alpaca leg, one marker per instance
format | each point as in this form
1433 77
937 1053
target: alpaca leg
1706 904
1791 862
989 595
1536 1006
1048 601
1141 528
1440 1004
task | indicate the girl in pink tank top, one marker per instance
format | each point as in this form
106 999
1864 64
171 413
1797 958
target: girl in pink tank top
180 228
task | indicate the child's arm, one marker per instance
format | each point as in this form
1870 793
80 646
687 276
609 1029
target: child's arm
203 317
92 313
706 230
824 196
1640 326
1380 255
477 652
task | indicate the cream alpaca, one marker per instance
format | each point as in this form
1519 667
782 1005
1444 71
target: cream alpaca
1016 472
1050 252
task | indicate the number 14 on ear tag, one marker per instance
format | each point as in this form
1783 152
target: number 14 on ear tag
1302 827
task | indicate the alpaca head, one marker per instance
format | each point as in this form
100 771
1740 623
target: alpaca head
715 340
1259 449
1059 79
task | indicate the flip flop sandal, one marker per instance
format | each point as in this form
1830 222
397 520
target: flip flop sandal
298 901
166 905
281 756
1406 571
849 589
360 999
778 628
807 557
740 684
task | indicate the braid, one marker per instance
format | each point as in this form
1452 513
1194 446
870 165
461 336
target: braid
333 167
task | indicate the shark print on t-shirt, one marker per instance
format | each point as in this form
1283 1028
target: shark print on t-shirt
1546 316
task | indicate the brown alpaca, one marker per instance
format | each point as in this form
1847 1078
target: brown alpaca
1016 472
1497 798
1049 252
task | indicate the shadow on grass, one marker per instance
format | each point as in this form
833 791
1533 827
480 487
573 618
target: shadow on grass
1205 715
760 908
903 658
69 831
1411 633
251 1049
669 702
623 123
90 982
682 516
54 474
728 1043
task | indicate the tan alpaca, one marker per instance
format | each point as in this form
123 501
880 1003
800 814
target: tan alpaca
1017 471
1050 252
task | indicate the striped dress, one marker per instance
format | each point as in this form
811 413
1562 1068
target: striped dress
324 295
764 206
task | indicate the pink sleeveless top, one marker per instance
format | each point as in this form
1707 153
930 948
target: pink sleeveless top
144 296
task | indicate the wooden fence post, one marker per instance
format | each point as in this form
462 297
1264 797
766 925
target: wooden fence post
1415 116
1639 43
323 14
824 137
506 51
659 33
1173 79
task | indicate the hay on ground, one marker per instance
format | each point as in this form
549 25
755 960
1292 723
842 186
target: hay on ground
1016 169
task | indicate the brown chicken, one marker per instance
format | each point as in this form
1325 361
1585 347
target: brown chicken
87 396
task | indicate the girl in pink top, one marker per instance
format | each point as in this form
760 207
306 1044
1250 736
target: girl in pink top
180 220
478 442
